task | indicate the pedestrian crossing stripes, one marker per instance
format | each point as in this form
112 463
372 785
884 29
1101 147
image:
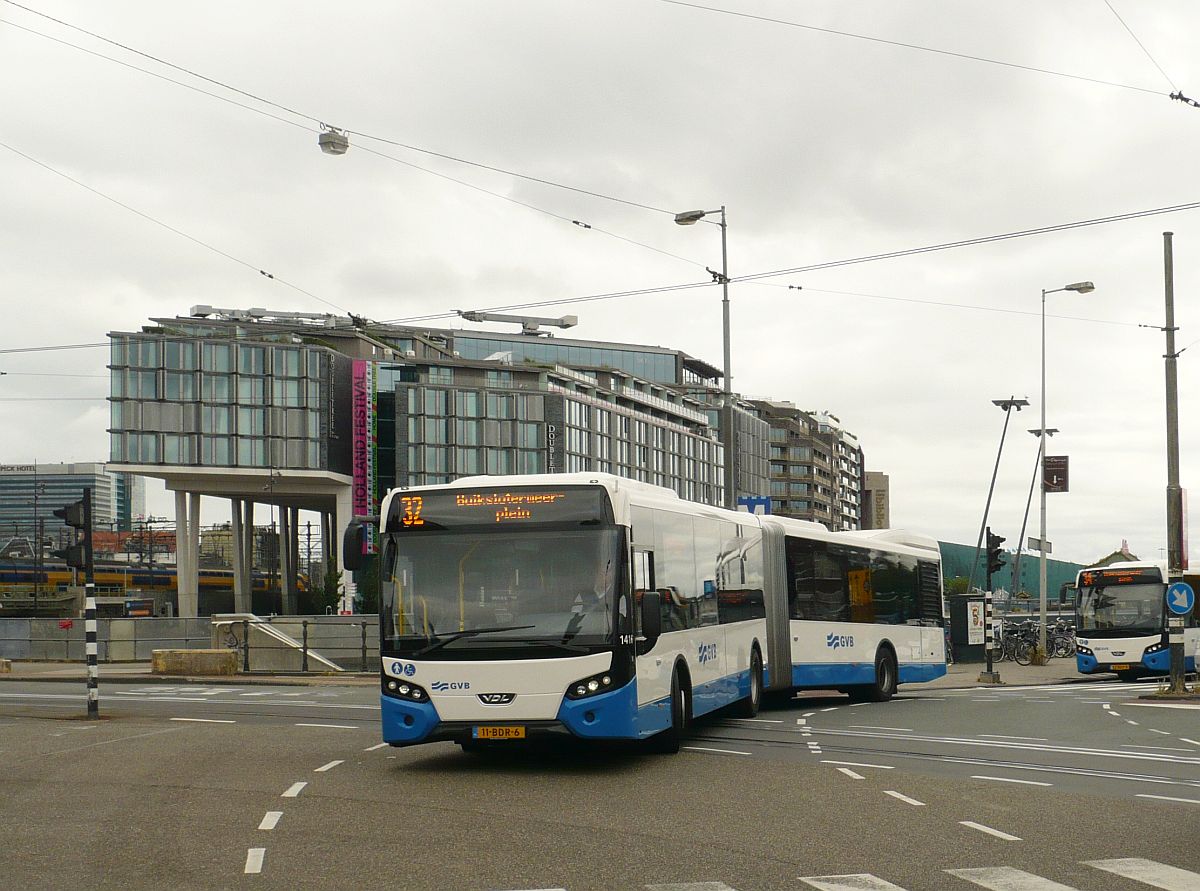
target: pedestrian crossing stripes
1148 873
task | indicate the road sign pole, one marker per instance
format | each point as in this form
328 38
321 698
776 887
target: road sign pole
1175 639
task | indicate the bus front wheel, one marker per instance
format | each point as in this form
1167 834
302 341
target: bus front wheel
667 741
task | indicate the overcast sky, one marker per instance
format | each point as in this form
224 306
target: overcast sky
823 147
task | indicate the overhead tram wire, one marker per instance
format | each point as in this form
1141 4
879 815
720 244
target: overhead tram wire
1153 61
757 277
171 228
301 114
579 223
912 46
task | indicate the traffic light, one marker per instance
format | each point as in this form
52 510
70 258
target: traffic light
995 559
77 515
73 515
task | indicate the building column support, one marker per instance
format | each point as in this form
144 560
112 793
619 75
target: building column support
241 592
287 570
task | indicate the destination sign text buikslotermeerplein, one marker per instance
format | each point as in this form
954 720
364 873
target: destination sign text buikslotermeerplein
428 511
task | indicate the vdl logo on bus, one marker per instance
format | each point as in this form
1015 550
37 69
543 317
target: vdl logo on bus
708 653
404 668
839 640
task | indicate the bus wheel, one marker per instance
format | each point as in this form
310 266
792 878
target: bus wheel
667 742
748 707
884 687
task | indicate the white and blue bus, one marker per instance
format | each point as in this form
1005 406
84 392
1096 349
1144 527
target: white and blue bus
1121 621
604 608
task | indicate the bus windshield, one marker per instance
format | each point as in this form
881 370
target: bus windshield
1120 609
492 594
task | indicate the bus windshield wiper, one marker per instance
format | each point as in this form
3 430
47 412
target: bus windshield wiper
470 632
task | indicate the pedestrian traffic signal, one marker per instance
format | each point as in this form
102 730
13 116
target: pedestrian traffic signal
995 558
73 514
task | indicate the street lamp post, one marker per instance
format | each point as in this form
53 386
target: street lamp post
688 218
1079 288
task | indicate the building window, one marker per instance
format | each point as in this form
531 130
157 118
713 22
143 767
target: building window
435 402
217 357
440 376
252 360
466 404
287 363
498 378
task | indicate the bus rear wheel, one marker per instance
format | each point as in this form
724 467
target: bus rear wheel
885 684
748 707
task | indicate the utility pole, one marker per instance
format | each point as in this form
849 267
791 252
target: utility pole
1008 405
1176 546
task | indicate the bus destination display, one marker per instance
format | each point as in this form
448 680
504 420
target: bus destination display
432 511
1139 576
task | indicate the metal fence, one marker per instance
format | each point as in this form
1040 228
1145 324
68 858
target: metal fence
275 643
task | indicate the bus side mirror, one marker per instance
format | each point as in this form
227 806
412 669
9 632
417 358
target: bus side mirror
651 617
352 545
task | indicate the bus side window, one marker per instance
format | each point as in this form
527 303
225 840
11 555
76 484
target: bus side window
643 580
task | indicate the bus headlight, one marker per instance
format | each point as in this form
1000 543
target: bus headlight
398 689
1157 648
599 683
1083 651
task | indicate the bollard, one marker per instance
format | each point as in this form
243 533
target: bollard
246 645
364 646
304 655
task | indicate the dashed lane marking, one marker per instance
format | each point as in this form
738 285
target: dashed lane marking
901 797
718 751
1018 738
1010 780
1169 798
848 772
205 720
271 820
989 830
330 766
376 746
691 886
254 860
873 727
859 764
293 790
332 726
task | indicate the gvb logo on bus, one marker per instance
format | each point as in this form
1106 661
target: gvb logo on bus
834 641
708 653
404 668
451 685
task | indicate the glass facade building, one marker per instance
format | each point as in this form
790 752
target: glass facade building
30 493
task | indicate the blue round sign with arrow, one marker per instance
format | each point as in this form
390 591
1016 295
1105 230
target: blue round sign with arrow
1181 598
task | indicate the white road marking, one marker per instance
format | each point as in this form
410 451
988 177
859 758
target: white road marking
1018 738
857 704
808 714
1159 875
330 766
860 764
801 721
271 820
989 830
858 882
254 860
872 727
177 699
1134 723
1168 798
1107 706
904 798
720 751
1114 714
1163 732
332 726
205 720
293 790
830 709
1005 878
691 886
1155 748
758 721
1041 700
376 746
1183 705
1186 740
1011 780
848 772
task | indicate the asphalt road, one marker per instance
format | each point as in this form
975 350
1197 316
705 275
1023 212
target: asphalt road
213 786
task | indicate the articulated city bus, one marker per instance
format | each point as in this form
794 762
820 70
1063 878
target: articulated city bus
605 608
1121 621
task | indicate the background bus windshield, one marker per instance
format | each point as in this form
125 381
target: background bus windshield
1137 607
547 587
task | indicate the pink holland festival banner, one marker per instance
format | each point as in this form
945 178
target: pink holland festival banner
364 499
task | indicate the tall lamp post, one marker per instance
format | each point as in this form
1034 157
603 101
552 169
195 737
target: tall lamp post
1079 288
688 218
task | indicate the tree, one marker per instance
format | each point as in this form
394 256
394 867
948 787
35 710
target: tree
957 585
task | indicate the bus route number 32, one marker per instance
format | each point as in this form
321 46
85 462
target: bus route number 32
411 505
